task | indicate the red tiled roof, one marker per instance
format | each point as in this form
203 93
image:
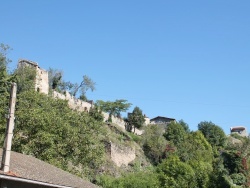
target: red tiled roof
237 128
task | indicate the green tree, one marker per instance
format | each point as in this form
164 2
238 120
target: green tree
136 118
219 177
203 171
213 133
154 144
56 82
4 61
113 108
232 161
175 133
5 81
86 84
96 114
239 178
55 79
5 77
25 77
184 125
49 130
175 174
195 147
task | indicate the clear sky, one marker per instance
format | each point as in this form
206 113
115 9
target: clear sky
181 59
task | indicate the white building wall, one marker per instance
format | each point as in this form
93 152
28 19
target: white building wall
147 121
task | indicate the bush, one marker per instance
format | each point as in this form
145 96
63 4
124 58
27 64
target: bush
176 174
238 178
133 180
134 137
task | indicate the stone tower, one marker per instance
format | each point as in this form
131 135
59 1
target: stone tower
42 78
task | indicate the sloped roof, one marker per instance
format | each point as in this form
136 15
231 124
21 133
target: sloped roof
28 61
172 119
31 168
237 128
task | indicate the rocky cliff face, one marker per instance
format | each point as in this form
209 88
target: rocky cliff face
122 155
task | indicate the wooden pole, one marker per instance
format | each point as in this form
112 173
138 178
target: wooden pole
9 133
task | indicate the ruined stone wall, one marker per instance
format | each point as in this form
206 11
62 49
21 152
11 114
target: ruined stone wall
42 81
42 85
120 155
42 77
73 102
115 120
120 123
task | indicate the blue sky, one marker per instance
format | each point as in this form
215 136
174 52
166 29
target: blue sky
182 59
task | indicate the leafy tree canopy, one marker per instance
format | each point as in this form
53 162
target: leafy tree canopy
203 171
55 79
213 133
75 89
184 125
49 130
4 61
154 144
5 81
25 78
5 78
136 118
175 133
114 108
175 174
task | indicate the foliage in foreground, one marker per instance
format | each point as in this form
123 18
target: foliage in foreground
133 180
47 129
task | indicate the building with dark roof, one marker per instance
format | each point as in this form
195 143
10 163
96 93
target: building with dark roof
159 120
29 172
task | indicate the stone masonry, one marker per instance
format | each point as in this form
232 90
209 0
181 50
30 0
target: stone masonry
119 155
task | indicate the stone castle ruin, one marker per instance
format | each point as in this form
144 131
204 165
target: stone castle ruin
120 156
42 76
42 85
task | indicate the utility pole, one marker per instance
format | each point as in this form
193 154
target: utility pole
5 166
